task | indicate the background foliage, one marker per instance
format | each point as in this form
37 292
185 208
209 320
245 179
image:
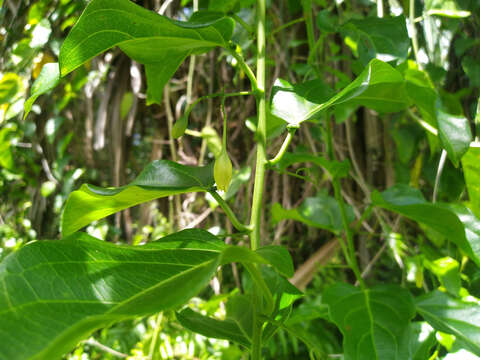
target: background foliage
412 206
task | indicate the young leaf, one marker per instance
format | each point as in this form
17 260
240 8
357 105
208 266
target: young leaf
471 169
379 87
410 203
159 179
452 316
373 322
455 135
47 80
321 211
213 328
161 44
54 293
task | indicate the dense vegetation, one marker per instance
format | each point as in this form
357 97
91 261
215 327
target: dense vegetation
331 143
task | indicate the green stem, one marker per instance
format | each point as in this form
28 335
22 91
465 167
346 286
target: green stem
283 149
246 26
214 95
261 128
349 250
307 14
229 212
245 68
413 31
261 137
288 24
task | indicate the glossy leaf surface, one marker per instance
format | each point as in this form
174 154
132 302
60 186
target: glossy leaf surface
455 135
161 44
54 293
471 170
379 87
452 316
47 80
409 202
373 322
159 179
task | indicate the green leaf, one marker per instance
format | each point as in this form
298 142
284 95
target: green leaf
373 322
212 328
161 44
47 80
471 224
10 85
54 293
410 203
293 103
383 38
159 179
471 170
447 270
274 255
455 135
379 87
279 258
321 211
240 309
452 316
419 341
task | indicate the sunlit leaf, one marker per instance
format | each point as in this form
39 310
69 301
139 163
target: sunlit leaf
471 170
410 203
455 135
159 179
161 44
55 293
379 87
452 316
47 80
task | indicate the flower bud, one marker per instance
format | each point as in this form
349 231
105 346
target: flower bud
222 171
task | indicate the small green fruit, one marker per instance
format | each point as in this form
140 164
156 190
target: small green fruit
222 171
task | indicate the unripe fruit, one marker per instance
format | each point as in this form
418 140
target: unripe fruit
222 171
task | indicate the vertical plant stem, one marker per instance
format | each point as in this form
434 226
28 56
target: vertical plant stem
173 151
307 14
261 138
349 250
261 128
413 32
